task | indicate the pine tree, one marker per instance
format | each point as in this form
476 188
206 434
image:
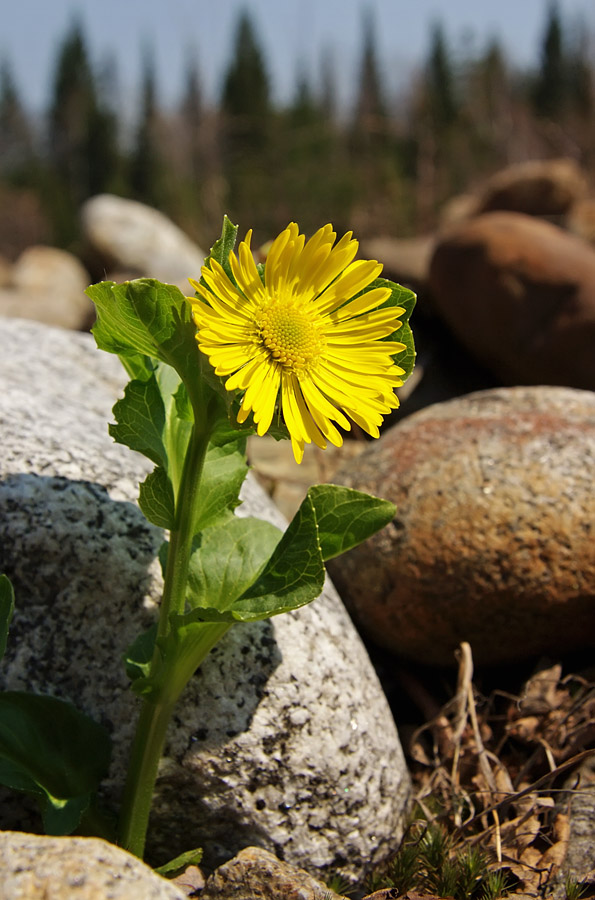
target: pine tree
146 167
579 75
191 111
370 114
245 100
82 137
440 82
16 140
551 85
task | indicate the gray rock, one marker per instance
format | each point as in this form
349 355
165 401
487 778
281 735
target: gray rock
283 738
33 866
131 235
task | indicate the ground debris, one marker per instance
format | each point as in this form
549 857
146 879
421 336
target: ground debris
491 775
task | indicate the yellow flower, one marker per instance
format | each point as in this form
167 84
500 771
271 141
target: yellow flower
299 343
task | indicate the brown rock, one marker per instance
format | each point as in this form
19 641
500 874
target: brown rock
59 868
47 285
405 260
539 187
255 874
519 293
493 538
581 219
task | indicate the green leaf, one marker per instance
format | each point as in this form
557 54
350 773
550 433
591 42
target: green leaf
293 576
147 317
138 366
140 420
137 658
224 471
156 499
227 559
177 865
155 418
179 419
223 246
346 517
401 296
54 751
6 611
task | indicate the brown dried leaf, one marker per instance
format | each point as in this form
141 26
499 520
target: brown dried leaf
541 693
527 830
555 855
525 728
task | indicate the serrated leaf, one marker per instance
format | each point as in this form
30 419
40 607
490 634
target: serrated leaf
51 749
148 317
293 576
140 420
346 517
156 499
227 559
401 296
6 610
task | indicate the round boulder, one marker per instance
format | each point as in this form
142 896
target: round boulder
493 541
519 293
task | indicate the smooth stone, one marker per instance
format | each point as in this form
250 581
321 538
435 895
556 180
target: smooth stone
493 538
283 738
131 235
48 285
59 868
519 294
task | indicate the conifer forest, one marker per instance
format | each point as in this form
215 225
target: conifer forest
385 164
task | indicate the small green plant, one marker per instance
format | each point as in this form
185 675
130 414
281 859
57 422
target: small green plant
495 884
428 864
338 885
574 889
290 348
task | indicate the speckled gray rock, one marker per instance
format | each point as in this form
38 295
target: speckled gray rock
283 738
34 866
493 538
134 236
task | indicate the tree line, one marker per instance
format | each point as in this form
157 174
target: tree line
385 166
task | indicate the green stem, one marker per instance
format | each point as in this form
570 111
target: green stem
158 706
180 539
142 773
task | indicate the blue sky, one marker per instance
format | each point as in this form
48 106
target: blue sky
293 33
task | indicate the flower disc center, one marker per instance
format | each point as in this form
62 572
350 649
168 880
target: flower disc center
290 335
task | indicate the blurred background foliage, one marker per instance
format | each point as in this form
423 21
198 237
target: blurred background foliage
386 165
